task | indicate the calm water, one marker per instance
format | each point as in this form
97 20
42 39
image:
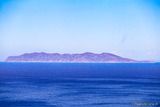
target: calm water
79 85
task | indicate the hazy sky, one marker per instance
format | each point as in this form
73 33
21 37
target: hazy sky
129 28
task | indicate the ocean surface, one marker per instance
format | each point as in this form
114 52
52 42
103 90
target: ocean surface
79 85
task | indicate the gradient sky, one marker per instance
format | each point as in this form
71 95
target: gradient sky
129 28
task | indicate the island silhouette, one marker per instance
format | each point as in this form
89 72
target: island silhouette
66 57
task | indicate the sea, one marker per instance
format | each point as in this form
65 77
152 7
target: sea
79 84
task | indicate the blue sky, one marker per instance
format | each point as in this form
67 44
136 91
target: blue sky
129 28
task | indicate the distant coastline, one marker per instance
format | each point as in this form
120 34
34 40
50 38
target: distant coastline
86 57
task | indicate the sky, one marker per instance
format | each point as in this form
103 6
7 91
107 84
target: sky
129 28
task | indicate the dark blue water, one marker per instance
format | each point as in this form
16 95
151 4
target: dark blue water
79 85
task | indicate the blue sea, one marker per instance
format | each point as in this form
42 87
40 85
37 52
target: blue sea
79 85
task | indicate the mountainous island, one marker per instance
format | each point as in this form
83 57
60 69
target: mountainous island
87 57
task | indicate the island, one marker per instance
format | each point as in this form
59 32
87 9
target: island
86 57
